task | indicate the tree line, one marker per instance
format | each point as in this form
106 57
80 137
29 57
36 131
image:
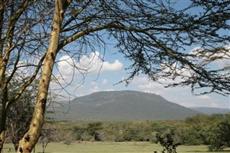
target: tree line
213 131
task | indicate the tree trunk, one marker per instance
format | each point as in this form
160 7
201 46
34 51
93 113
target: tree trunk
3 120
16 147
2 140
2 125
28 142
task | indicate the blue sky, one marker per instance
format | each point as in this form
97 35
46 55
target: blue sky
103 75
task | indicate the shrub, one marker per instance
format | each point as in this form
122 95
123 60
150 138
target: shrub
219 136
168 140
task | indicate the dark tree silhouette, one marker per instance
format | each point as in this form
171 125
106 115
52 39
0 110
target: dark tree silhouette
168 140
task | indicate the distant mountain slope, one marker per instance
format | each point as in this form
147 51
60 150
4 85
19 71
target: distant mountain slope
124 105
211 110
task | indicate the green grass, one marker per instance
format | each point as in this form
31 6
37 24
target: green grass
114 147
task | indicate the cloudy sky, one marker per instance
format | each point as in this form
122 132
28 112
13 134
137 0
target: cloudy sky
96 72
102 70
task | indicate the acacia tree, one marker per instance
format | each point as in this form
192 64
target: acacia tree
155 35
20 113
21 48
18 120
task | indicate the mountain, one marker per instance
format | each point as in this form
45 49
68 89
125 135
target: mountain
123 105
211 110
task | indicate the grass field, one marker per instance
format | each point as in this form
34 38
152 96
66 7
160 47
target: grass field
113 147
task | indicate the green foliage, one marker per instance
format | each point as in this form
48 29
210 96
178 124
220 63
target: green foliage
67 142
194 133
93 130
219 136
198 130
111 147
88 132
78 131
168 140
20 112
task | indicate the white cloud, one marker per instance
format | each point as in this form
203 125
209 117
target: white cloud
179 95
104 81
146 85
219 57
65 67
94 63
205 97
115 66
94 86
87 64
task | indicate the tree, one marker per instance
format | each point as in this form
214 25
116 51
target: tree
21 32
154 35
93 130
219 136
20 113
18 120
168 140
46 137
78 131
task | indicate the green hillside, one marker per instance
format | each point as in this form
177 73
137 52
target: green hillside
121 106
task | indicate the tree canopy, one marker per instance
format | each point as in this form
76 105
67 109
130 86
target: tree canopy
161 38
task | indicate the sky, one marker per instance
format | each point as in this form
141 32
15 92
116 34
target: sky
105 68
104 71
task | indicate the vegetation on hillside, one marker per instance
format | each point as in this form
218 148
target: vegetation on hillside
122 106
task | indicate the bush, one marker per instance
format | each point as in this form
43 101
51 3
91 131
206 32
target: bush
219 136
168 140
194 135
67 142
78 131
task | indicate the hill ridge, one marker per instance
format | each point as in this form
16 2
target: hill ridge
125 105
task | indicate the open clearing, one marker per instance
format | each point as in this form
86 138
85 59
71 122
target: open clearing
113 147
